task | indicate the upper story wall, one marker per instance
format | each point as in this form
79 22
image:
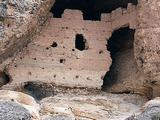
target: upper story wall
72 23
109 21
96 34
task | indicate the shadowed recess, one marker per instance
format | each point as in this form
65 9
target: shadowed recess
38 89
120 41
91 9
4 78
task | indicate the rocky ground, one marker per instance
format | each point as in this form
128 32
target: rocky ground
97 107
68 106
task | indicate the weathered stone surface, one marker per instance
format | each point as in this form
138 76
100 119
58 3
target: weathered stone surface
147 45
58 117
13 111
148 14
98 107
21 19
22 101
151 111
3 10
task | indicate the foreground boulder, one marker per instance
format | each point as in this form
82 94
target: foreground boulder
13 111
151 111
17 106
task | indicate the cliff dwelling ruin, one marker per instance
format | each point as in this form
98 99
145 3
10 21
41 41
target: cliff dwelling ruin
76 54
59 46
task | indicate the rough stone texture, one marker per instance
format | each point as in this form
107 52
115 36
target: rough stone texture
3 10
64 65
90 107
147 44
19 20
13 111
58 117
25 101
69 106
151 111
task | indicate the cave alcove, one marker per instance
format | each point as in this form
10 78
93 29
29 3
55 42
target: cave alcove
120 44
37 89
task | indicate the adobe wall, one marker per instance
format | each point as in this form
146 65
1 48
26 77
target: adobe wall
64 65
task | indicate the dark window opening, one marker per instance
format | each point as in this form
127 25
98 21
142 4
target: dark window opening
91 9
62 60
54 44
120 45
80 42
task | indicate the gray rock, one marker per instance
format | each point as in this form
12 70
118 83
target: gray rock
151 113
12 111
58 117
1 29
3 10
23 5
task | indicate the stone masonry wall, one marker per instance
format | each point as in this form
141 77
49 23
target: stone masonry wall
64 65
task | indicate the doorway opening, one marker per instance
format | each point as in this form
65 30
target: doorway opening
121 49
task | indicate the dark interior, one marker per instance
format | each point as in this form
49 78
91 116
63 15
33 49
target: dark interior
91 9
5 77
121 40
38 89
80 42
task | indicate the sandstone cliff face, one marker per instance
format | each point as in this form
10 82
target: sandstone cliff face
147 43
150 111
18 22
